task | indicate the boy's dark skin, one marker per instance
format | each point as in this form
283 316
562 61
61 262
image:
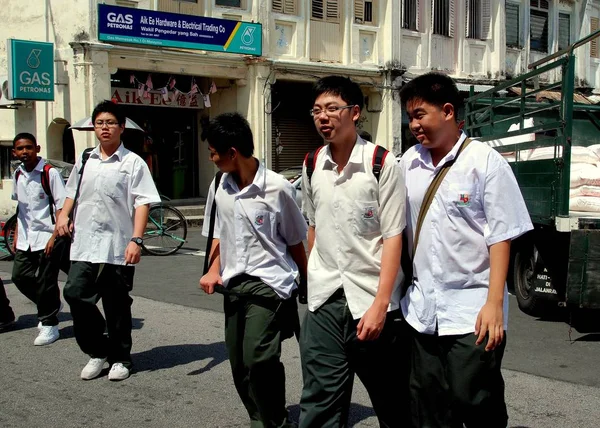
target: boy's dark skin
27 152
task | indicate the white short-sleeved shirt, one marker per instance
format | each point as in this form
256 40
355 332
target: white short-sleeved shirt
34 222
110 191
478 204
255 226
352 215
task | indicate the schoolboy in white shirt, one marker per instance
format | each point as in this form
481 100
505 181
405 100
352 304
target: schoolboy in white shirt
37 264
457 302
109 221
257 252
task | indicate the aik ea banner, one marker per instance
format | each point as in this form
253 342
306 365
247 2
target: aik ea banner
148 27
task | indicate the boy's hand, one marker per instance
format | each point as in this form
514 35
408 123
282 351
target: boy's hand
64 225
302 292
208 282
49 246
133 253
490 322
372 322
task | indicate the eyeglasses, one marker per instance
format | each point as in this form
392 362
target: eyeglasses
329 110
108 123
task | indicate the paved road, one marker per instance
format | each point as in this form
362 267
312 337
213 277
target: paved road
182 377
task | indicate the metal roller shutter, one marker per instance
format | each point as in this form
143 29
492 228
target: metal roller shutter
297 138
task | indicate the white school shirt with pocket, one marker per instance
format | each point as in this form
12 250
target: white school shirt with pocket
110 191
352 214
478 204
34 222
255 226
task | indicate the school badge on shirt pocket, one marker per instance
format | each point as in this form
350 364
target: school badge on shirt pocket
464 199
259 220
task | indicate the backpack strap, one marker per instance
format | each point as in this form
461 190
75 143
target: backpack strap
84 158
311 162
378 161
45 179
211 225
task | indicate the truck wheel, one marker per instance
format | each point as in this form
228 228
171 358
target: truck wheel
524 268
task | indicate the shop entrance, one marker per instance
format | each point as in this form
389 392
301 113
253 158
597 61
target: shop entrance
169 147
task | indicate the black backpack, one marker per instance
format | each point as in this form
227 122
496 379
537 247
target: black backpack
378 160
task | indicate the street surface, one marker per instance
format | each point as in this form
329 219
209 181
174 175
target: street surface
182 377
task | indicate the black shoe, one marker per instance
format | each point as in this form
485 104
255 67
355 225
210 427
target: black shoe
6 323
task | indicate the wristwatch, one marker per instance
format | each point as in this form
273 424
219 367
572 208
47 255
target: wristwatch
137 240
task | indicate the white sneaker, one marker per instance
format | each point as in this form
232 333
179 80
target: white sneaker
48 334
93 368
118 372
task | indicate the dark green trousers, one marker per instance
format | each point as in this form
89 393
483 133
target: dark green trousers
6 312
36 276
86 285
331 354
253 336
454 382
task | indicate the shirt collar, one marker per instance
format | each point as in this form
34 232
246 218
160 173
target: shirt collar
39 167
356 156
423 156
118 153
258 183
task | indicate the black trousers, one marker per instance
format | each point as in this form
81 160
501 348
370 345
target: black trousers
453 382
331 354
36 276
6 312
87 284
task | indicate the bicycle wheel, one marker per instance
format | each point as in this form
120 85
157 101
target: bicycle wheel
10 227
166 231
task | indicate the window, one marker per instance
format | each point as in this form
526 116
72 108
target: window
410 14
538 25
478 19
443 17
564 31
512 25
594 25
363 11
5 158
230 3
325 10
284 6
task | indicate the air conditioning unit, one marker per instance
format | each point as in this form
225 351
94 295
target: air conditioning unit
5 102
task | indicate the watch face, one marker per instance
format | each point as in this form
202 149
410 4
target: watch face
138 241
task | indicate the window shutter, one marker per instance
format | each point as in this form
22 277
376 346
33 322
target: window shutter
418 17
486 19
564 31
451 23
277 6
317 9
433 17
468 19
289 6
594 43
359 11
332 11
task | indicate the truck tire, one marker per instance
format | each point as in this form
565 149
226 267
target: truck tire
524 267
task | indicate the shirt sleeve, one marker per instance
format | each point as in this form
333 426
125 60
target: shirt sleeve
308 204
71 186
208 213
57 187
143 189
291 224
392 199
505 210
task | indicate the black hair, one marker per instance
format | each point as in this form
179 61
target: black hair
433 88
24 136
345 88
230 130
108 106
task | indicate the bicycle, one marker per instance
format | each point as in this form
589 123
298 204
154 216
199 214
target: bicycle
166 226
8 231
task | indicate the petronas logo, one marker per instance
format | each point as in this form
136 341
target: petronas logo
33 60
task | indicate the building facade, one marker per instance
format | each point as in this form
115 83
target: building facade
171 92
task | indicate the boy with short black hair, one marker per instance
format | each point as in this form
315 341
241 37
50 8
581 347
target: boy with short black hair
457 303
257 254
353 322
36 265
112 196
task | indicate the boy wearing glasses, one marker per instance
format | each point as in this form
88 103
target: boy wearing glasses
354 275
112 197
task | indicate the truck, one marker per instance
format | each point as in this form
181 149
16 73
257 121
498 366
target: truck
556 265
